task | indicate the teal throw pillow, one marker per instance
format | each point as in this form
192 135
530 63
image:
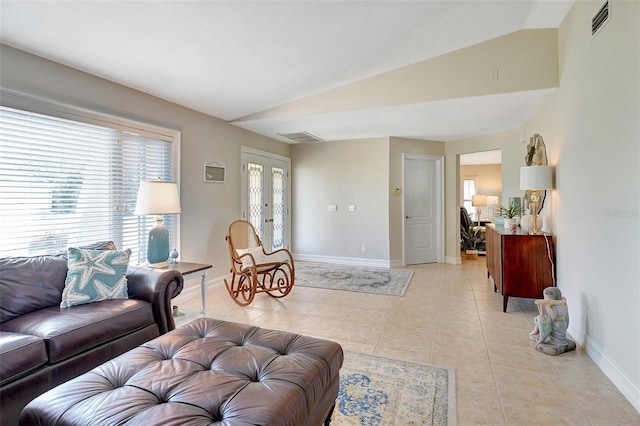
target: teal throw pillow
95 275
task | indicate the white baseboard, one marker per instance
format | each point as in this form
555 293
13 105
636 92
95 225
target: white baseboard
453 260
620 379
397 263
356 261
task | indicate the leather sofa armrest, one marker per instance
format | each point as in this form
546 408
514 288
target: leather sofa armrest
158 287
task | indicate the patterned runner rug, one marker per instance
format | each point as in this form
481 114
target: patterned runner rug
383 391
392 282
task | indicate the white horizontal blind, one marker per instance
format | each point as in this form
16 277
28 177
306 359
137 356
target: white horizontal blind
68 183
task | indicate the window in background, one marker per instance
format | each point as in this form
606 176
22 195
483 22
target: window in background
468 191
68 183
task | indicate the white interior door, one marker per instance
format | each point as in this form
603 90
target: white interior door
266 197
422 206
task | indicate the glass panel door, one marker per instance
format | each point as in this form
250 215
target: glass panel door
266 198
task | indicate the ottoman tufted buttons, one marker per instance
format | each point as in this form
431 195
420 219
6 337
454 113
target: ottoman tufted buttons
208 369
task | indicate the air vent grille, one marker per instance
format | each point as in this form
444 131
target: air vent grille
301 137
600 18
214 172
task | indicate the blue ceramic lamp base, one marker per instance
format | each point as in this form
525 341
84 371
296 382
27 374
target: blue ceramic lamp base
158 245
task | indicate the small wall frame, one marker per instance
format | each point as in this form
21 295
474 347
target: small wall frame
214 173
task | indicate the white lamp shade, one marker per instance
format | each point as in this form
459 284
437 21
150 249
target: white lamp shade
536 177
157 198
492 200
479 201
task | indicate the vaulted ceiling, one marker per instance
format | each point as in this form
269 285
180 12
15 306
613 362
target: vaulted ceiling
335 69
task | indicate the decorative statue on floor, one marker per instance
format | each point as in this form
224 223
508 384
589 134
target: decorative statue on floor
550 331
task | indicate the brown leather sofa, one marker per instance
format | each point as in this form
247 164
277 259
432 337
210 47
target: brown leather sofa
43 345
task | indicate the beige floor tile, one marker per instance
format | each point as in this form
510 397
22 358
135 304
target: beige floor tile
535 414
406 354
508 335
606 398
364 333
368 315
522 357
529 387
599 421
449 317
478 409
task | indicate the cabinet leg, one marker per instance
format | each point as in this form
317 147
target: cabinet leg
505 300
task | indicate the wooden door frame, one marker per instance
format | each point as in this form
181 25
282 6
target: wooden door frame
439 186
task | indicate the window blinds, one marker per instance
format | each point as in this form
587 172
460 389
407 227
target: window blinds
68 183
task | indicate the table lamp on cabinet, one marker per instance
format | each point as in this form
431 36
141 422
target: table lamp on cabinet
535 179
158 198
479 201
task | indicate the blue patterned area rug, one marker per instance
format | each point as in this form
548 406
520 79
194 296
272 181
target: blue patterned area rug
392 282
383 391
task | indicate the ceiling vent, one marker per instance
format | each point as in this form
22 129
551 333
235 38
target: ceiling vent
301 137
600 18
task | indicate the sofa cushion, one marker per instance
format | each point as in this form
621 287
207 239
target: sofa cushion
20 354
30 283
69 331
95 275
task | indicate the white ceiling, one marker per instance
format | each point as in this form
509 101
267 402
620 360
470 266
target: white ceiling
231 59
482 157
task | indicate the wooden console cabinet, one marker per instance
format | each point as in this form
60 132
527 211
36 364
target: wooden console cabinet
521 265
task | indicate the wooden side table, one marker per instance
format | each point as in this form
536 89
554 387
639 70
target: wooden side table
193 270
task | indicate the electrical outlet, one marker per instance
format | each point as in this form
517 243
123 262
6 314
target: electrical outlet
333 207
352 207
363 247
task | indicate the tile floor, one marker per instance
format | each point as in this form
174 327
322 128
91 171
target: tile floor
450 317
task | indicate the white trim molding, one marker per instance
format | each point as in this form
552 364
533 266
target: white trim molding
618 377
355 261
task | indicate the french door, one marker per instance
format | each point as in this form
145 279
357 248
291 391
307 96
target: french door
265 196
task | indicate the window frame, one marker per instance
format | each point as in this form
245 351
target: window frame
466 203
39 105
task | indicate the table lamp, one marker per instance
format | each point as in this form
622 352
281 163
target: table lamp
534 179
158 198
492 201
479 201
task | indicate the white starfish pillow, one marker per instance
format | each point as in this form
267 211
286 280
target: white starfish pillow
95 275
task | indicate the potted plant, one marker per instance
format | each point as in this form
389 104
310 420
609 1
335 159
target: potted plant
510 213
471 241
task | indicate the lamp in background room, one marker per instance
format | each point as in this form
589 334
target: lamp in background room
158 198
492 201
535 179
478 201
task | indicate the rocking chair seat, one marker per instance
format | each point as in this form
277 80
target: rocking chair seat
253 270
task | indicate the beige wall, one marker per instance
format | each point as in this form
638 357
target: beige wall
341 173
592 132
527 60
488 182
207 208
398 147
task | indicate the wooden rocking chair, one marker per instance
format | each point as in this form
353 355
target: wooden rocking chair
253 270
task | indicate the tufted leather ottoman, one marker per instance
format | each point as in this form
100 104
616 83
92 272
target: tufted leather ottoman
206 372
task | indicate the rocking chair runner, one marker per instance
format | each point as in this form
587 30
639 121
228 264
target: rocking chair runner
253 270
